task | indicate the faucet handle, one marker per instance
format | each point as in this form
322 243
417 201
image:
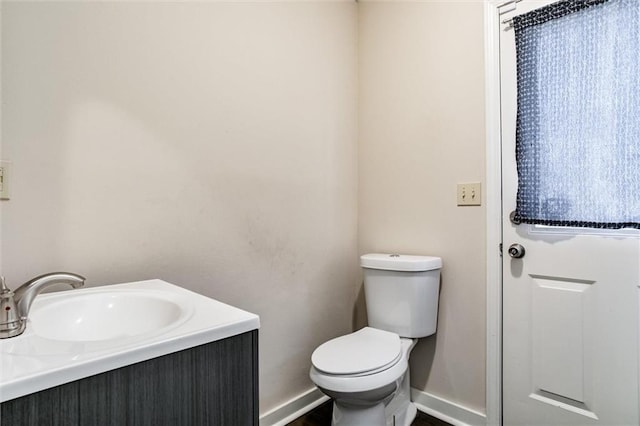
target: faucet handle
3 286
11 324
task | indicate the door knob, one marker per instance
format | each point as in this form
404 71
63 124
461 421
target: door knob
516 251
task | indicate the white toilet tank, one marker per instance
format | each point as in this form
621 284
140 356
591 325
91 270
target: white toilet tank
401 293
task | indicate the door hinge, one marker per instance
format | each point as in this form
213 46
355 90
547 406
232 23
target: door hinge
500 247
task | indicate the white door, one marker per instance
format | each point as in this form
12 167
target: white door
570 305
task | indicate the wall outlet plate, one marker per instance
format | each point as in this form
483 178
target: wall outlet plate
469 194
5 174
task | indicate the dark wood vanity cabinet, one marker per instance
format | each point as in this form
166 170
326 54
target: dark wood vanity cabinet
212 384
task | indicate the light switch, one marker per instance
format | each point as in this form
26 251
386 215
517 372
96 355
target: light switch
469 194
5 171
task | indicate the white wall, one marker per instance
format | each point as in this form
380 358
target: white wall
213 145
421 123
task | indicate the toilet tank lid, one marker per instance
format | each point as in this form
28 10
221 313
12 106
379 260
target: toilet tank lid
400 262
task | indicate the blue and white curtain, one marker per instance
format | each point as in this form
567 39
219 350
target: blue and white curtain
578 123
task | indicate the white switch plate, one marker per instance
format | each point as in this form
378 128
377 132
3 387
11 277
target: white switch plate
5 175
469 194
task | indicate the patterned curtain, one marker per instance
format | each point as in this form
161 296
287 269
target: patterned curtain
578 123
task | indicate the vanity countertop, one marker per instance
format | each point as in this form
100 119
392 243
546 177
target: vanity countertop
32 362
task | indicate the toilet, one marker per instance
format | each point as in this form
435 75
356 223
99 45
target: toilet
367 372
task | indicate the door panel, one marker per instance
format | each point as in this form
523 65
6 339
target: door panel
558 336
570 305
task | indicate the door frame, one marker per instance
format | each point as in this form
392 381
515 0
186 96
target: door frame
493 200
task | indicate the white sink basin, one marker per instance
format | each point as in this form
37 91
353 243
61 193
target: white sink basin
105 315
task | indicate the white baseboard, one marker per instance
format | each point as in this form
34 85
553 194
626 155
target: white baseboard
440 408
294 408
450 412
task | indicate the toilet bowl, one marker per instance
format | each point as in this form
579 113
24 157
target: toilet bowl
367 372
363 372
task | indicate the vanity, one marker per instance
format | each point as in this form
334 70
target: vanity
143 353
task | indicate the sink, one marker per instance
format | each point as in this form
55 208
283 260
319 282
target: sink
105 315
80 333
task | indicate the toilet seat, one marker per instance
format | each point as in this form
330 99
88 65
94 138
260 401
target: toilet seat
366 351
372 374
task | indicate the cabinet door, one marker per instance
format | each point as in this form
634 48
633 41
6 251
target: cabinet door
212 384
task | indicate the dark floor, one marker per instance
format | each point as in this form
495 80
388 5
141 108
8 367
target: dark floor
321 416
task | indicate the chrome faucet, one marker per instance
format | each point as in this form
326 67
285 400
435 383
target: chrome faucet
15 305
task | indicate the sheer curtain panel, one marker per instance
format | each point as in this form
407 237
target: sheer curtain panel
578 123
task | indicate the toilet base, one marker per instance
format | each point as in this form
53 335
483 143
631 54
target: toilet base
346 415
403 417
400 411
372 416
